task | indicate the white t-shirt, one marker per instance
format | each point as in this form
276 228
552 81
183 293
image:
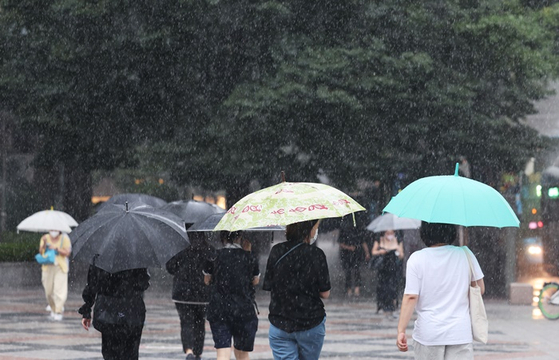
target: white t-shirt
441 278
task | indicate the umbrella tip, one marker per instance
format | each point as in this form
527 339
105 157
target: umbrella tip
456 169
282 176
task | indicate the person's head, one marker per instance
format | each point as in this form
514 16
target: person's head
437 233
230 237
301 231
198 241
389 234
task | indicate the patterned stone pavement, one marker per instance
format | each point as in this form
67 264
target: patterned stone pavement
354 331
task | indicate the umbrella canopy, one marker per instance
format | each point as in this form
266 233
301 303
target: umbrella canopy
209 224
122 199
129 237
287 203
47 220
192 211
453 200
392 222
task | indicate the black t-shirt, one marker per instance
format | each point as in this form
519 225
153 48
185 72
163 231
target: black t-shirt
232 273
295 282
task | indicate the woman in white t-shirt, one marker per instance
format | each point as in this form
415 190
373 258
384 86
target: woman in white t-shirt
437 285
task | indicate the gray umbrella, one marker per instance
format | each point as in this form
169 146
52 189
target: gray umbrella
122 199
129 237
192 211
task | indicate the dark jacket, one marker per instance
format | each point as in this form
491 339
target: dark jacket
119 294
187 268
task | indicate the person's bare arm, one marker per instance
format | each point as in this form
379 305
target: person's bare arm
64 252
406 311
207 279
481 285
42 246
366 249
324 294
255 280
377 250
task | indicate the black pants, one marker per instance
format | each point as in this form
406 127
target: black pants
121 342
193 326
351 265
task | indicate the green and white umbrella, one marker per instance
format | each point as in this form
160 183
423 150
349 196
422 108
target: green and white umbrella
452 199
287 203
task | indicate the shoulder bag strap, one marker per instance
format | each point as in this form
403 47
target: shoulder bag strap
472 274
287 253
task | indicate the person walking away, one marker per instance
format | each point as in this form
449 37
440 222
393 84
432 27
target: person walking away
390 271
55 277
437 285
119 312
298 279
231 312
353 250
190 293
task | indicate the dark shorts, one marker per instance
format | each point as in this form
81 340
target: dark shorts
242 332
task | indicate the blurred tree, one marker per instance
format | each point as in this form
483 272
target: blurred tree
224 92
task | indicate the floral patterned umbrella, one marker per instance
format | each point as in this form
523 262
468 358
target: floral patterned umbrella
287 203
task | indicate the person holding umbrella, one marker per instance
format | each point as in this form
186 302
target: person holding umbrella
437 283
119 312
444 283
54 277
231 310
296 273
389 272
298 279
122 242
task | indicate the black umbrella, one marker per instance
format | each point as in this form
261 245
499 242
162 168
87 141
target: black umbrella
192 211
133 198
209 223
129 237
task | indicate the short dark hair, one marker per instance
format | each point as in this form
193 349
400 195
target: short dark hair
299 231
437 233
229 237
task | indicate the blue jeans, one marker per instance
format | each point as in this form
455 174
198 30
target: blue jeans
303 345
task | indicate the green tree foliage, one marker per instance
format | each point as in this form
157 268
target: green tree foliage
223 92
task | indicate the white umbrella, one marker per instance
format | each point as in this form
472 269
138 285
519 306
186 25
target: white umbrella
392 222
47 220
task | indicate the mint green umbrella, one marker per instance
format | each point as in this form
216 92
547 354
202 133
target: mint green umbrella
453 200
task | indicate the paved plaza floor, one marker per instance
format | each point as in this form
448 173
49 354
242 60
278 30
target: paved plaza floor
353 331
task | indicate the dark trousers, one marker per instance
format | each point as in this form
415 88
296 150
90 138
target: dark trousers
121 342
193 326
351 265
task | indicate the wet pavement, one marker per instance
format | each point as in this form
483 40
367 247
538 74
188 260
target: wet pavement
354 331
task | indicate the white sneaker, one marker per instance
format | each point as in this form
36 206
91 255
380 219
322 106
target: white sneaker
51 314
48 308
57 317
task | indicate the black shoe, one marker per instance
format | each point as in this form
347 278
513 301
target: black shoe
190 357
198 357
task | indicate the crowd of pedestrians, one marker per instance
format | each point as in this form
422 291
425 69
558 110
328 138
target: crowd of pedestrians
219 286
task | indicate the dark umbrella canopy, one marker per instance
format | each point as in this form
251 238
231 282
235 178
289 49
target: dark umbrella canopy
138 236
192 211
122 199
209 223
